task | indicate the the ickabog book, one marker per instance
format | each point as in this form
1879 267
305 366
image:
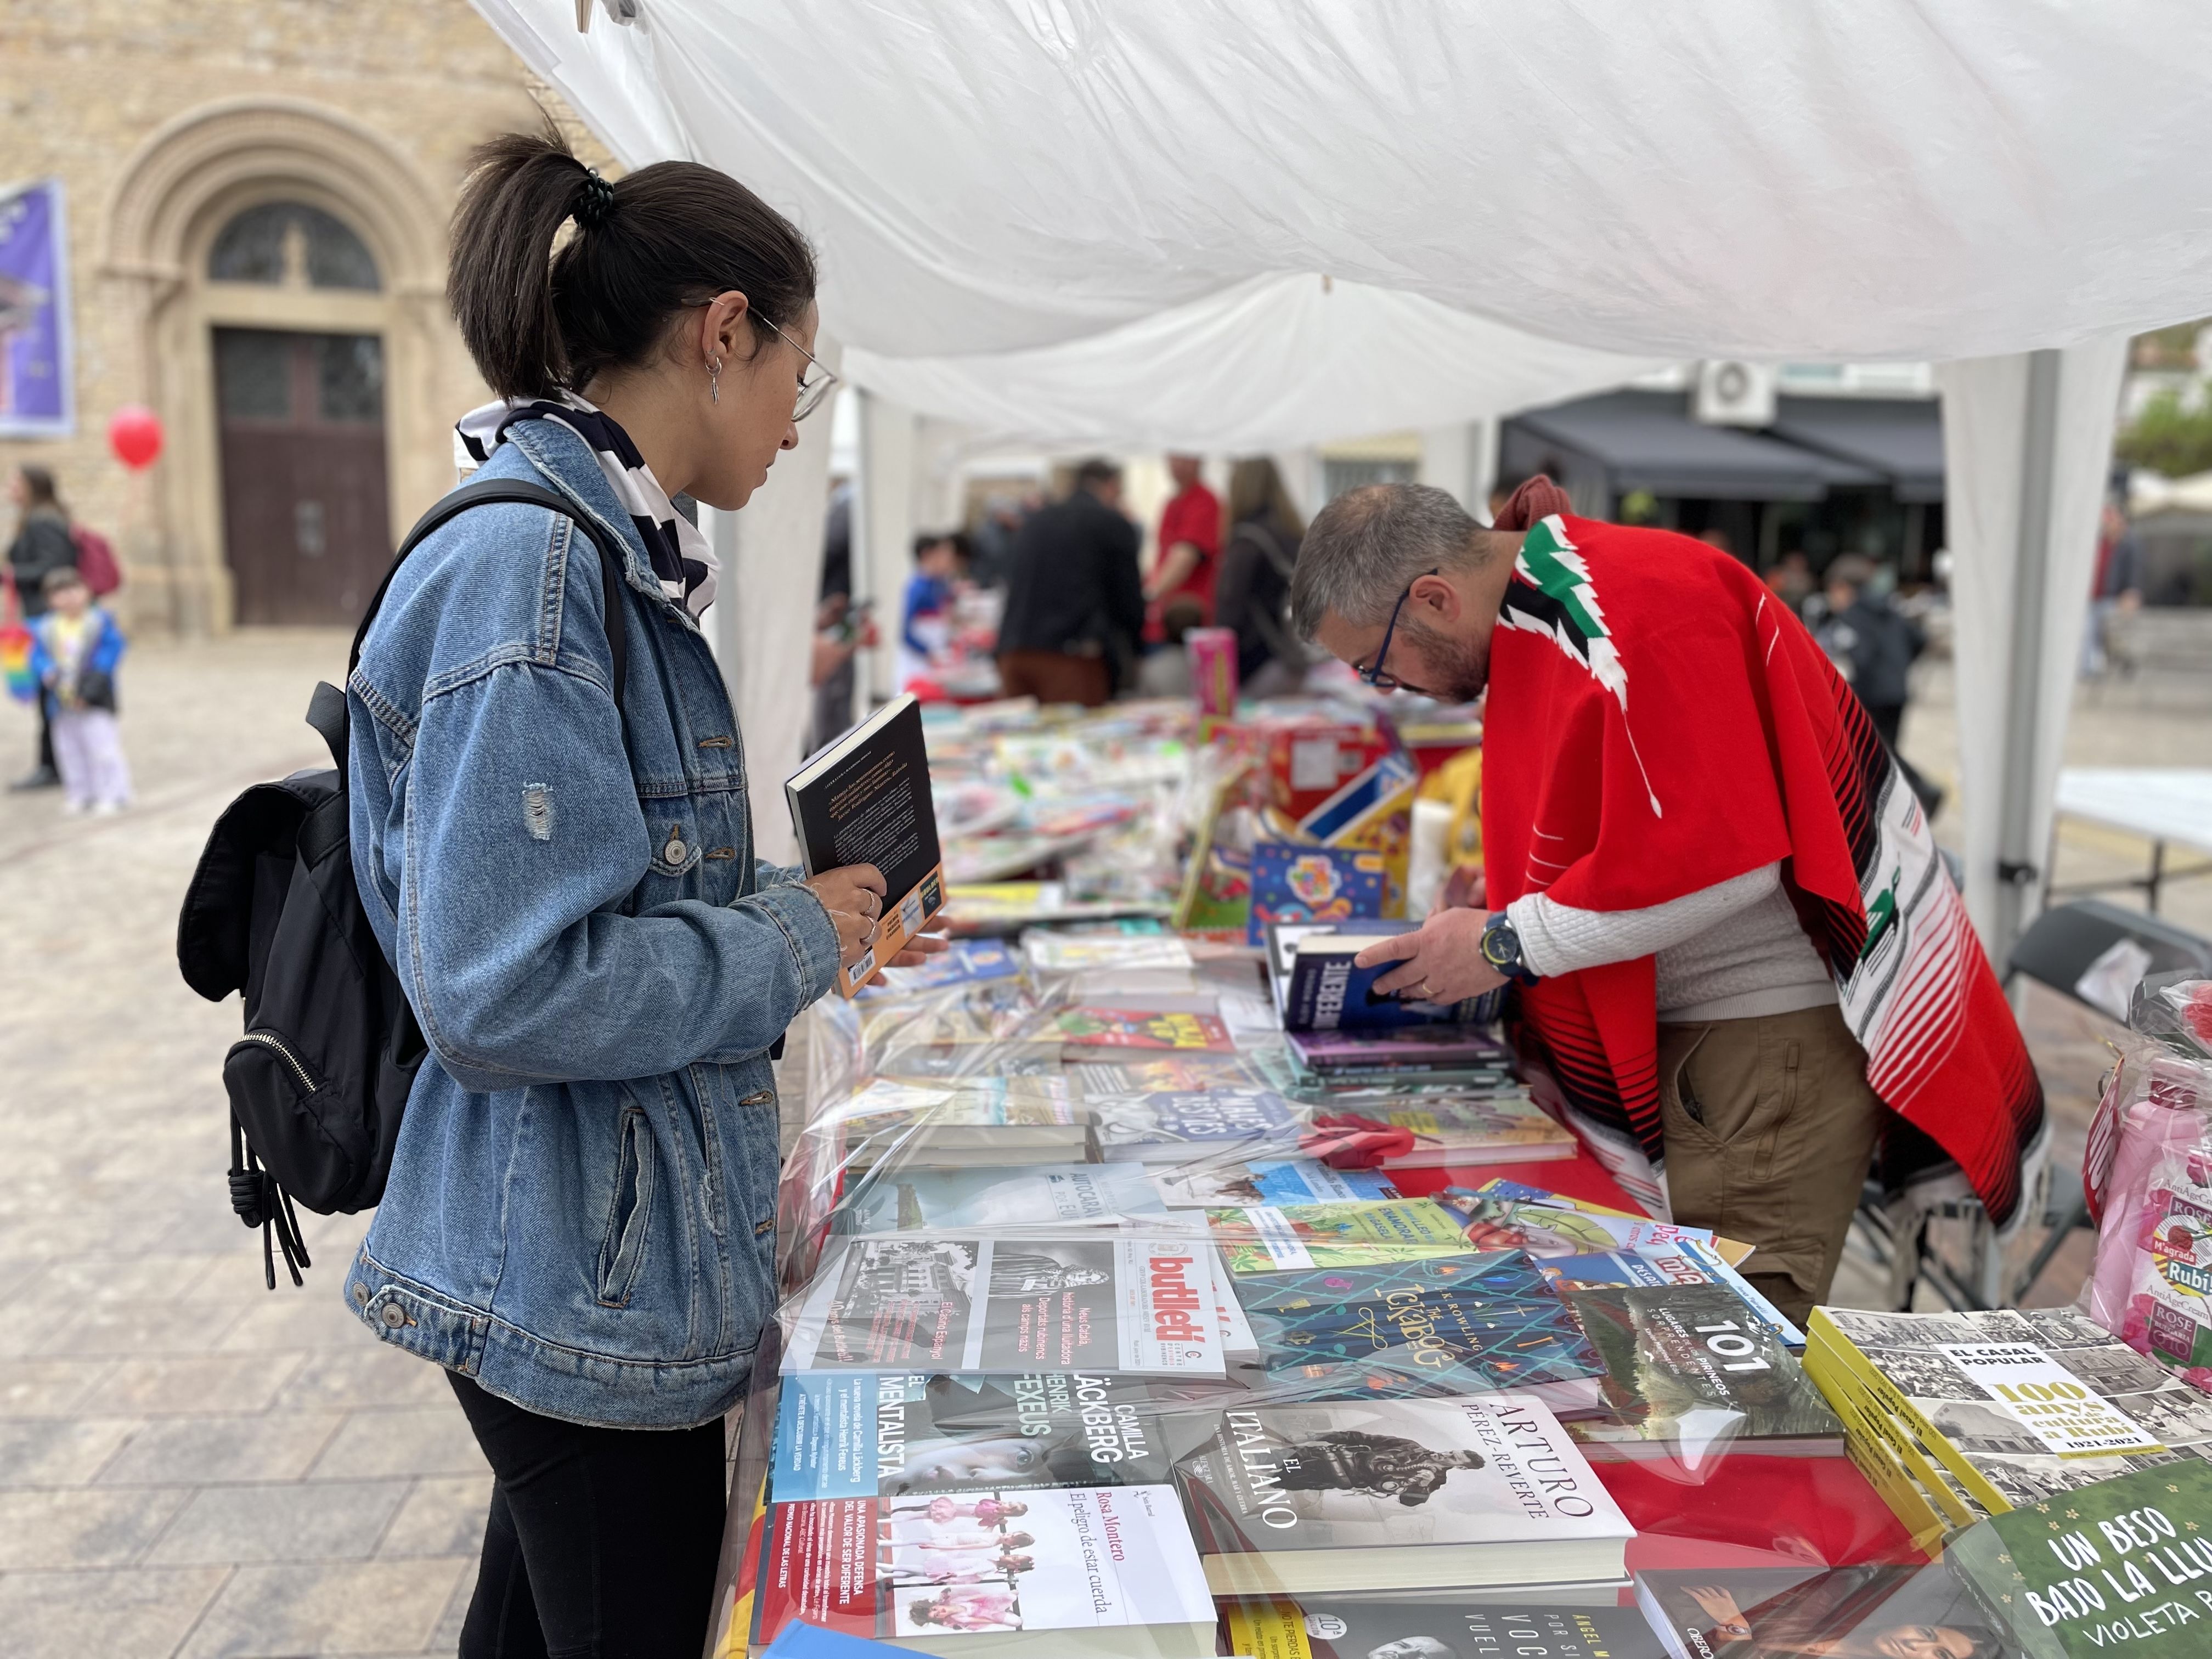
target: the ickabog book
864 798
1461 1324
1396 1494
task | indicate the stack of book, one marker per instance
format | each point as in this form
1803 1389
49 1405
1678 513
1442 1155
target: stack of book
1957 1416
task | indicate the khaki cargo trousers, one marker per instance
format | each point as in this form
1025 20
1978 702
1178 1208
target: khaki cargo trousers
1769 1126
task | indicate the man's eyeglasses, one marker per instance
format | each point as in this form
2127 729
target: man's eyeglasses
1373 673
812 390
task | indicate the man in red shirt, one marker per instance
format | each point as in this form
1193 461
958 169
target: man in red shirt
1190 545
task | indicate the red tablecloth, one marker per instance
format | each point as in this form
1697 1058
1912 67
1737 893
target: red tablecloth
1737 1509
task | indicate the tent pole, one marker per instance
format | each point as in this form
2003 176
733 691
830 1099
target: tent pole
2017 855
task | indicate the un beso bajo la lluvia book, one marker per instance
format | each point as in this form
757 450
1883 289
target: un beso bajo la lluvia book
864 798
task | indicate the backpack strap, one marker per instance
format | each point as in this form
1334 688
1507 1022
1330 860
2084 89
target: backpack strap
326 710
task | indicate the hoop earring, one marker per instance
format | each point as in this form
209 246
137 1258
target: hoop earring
714 379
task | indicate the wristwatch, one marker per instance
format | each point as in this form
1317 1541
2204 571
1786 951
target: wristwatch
1501 949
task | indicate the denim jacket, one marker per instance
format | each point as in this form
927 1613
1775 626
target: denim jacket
581 1210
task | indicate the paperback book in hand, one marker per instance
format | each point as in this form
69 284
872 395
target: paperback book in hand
865 799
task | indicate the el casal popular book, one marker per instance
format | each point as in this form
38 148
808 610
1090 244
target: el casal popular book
1396 1494
864 798
977 1303
2021 1405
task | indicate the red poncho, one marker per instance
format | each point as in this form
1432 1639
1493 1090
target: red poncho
1659 722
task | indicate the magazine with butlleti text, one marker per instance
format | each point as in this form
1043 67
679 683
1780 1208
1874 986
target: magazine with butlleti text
982 1303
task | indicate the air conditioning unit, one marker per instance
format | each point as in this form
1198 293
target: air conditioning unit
1731 393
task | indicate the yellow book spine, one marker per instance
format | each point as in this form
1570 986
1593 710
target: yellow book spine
1873 1458
1865 1375
1899 1439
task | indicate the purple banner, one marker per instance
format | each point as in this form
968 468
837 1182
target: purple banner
36 391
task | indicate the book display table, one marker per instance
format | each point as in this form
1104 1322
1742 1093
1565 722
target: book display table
1115 1321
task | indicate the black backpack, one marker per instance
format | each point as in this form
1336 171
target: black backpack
320 1081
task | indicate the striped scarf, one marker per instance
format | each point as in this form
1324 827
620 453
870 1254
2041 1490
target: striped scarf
685 564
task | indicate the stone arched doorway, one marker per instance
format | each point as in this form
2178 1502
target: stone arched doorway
283 268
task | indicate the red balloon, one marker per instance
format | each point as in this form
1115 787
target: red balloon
134 433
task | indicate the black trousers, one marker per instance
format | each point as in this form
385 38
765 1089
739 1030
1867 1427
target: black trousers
601 1543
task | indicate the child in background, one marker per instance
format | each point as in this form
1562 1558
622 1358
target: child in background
925 614
75 649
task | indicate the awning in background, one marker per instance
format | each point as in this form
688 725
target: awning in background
1901 439
1647 440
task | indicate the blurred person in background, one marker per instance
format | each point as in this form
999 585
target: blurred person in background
76 649
1263 533
2115 588
994 542
1874 646
42 546
1791 580
1190 547
1075 603
835 625
926 607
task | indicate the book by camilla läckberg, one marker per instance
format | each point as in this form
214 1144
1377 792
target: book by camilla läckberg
864 798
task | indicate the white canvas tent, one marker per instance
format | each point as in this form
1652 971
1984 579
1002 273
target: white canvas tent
1066 218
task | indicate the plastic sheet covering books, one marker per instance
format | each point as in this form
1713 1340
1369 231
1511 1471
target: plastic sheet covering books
1094 1347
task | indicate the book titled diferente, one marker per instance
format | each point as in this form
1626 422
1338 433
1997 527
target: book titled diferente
864 798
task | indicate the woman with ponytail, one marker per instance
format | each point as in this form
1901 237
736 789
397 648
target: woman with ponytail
579 1221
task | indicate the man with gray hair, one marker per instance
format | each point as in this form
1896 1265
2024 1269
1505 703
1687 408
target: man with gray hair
1734 942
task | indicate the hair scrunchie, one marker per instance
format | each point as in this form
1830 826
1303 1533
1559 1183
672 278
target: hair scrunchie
1528 506
596 202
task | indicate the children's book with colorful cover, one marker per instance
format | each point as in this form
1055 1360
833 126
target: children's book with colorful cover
1502 1129
1294 882
1127 1028
1460 1324
1270 1239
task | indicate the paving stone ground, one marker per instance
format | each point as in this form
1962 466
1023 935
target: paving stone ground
191 1466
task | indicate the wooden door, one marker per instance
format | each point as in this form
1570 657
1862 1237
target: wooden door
306 525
